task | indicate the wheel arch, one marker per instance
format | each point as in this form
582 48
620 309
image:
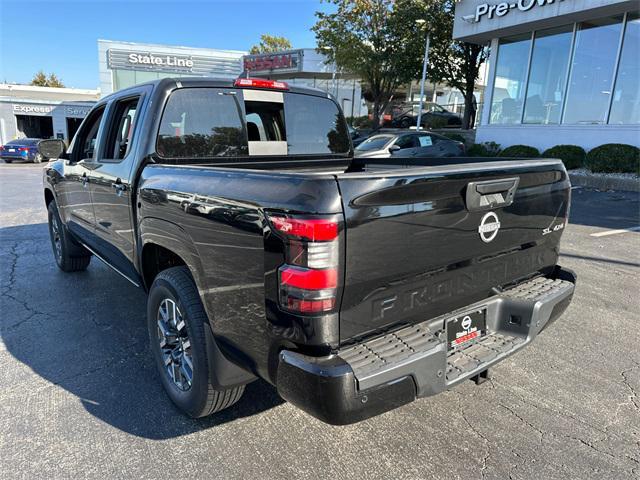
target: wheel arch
164 245
162 238
48 196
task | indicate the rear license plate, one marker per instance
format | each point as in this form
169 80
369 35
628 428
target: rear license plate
12 149
466 327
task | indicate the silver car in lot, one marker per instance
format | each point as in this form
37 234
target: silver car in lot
409 143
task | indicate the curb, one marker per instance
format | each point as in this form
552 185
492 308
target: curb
602 182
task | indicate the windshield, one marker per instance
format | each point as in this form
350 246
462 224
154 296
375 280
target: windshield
374 143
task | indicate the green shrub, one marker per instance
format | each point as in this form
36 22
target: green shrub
478 150
433 123
486 149
614 157
571 155
520 151
455 136
493 148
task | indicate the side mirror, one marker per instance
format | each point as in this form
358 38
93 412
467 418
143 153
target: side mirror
53 148
394 148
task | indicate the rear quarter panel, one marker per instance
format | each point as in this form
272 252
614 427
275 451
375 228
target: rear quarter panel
216 218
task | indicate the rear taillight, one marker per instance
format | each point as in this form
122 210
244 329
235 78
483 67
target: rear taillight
261 83
308 281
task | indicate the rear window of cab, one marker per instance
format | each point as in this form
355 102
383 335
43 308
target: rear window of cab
224 122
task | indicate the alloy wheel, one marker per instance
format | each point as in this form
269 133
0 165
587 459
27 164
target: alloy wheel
175 346
55 237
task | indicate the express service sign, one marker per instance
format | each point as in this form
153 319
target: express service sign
27 109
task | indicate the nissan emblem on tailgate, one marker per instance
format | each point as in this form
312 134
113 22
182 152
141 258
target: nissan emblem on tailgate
489 226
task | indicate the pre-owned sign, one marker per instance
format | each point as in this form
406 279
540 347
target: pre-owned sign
485 10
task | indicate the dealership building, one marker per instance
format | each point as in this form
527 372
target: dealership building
42 112
560 71
122 64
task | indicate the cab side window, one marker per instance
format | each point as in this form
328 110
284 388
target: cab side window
88 137
121 129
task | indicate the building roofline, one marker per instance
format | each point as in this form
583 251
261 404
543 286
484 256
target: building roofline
34 88
142 44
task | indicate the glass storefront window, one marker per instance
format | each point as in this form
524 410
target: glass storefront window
548 75
510 80
123 79
625 108
592 71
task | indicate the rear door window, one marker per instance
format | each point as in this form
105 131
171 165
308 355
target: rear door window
120 135
425 140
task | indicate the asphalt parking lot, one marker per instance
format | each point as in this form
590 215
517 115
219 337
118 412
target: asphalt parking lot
79 396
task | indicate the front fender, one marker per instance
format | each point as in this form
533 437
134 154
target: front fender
52 174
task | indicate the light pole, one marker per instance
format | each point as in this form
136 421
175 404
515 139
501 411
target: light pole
424 73
333 74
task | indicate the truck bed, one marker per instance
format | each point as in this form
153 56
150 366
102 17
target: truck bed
412 245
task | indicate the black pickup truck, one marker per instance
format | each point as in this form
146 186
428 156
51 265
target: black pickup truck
352 285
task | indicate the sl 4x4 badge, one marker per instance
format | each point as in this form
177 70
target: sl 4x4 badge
489 226
551 229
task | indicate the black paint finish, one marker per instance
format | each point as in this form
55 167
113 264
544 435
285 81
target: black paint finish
409 246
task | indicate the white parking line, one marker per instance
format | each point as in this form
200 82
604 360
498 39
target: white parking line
615 232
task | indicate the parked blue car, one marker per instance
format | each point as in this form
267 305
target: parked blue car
25 149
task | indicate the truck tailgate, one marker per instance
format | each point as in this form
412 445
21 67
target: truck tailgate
424 241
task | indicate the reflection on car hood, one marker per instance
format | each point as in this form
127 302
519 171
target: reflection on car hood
371 154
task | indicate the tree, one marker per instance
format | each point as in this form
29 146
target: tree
454 63
40 79
366 38
270 43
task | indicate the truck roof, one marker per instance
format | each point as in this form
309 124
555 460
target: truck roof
182 82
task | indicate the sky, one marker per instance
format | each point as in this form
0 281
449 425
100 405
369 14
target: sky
61 36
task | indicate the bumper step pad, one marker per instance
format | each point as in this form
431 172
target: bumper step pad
389 351
469 358
538 289
421 351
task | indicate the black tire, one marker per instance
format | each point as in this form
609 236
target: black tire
37 158
69 255
199 398
405 123
8 161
